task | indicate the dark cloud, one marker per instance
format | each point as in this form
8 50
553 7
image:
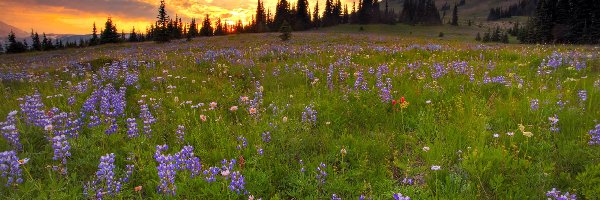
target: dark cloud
125 8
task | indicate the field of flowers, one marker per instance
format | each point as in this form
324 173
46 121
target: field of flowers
323 116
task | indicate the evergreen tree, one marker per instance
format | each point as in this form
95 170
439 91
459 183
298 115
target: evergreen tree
36 45
505 38
160 33
346 15
133 36
13 45
109 34
219 29
193 30
316 19
206 29
285 30
94 40
455 16
478 37
260 23
282 13
302 21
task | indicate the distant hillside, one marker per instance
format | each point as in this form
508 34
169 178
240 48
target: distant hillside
473 9
6 28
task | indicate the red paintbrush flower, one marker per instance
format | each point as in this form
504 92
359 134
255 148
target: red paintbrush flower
402 100
394 102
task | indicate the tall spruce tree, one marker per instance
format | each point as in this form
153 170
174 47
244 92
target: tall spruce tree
455 16
161 32
316 21
36 45
282 13
207 29
193 30
94 40
13 45
109 34
219 29
133 36
260 23
302 21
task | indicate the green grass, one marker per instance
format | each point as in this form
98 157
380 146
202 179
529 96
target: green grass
383 143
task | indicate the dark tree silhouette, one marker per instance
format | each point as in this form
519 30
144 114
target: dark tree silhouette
109 34
207 29
455 16
161 32
36 45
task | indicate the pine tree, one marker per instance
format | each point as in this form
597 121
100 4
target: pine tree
455 16
260 24
478 37
13 45
285 30
206 29
94 40
316 19
219 29
505 38
160 33
109 34
346 15
133 37
36 45
302 21
282 13
193 30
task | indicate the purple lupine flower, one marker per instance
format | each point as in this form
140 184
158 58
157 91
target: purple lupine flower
595 135
260 151
399 196
535 104
211 173
10 132
186 160
61 152
105 182
166 170
556 195
243 143
112 127
32 109
408 181
554 123
132 128
266 137
71 101
321 174
582 95
237 183
302 166
309 115
180 133
10 167
335 197
147 118
330 77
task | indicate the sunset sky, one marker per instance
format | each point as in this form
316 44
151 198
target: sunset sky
77 16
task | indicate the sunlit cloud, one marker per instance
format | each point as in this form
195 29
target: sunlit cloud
77 16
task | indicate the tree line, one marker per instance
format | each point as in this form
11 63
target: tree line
563 21
521 8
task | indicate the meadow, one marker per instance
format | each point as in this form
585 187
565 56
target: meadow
322 116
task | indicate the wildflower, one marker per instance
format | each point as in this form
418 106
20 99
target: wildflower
534 104
203 118
582 95
285 119
525 133
233 108
595 135
335 197
212 105
510 133
407 181
435 167
425 148
399 196
554 123
428 102
496 135
252 111
321 174
225 173
10 167
137 188
556 195
309 115
343 151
